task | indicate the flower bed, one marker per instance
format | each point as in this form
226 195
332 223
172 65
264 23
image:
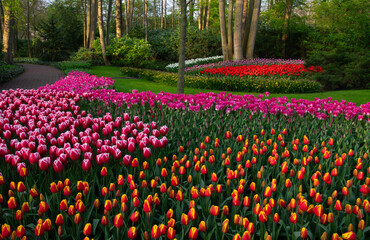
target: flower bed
252 84
244 62
297 70
80 160
173 67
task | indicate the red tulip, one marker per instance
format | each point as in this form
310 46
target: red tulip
193 233
87 229
132 233
59 220
39 230
155 232
171 233
20 232
12 203
44 163
5 230
118 220
349 235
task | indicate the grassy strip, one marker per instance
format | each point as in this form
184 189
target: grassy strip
128 84
8 72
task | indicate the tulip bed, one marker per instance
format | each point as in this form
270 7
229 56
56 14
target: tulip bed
79 160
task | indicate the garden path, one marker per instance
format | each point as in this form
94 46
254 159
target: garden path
34 76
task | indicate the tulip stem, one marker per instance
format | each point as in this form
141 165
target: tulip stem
118 234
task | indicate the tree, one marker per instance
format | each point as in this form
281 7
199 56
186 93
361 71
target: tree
119 18
287 14
8 31
238 46
146 19
182 43
108 21
221 8
101 32
253 29
230 29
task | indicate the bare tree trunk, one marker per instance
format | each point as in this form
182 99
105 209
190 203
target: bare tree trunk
173 13
288 10
88 23
230 29
161 14
83 4
155 14
1 19
182 43
110 3
119 18
127 15
7 36
245 13
93 18
146 19
253 29
28 30
101 32
204 14
208 13
131 12
238 46
221 10
165 14
248 25
199 14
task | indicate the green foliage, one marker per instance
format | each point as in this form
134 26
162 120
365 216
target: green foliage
199 43
342 70
126 51
29 60
8 72
85 54
342 25
61 32
281 85
69 66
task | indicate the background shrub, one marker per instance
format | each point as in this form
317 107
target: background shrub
8 72
69 66
126 51
341 69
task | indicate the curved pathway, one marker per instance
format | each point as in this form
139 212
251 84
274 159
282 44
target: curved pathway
34 76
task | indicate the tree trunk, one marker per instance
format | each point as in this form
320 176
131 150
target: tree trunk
1 19
28 30
238 46
93 18
165 14
155 14
173 13
182 43
248 25
88 23
161 14
131 12
127 15
119 18
146 19
245 14
8 32
199 14
208 13
204 14
253 29
108 21
288 10
221 10
84 7
230 29
101 32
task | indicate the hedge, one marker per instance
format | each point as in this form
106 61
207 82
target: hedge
272 85
8 72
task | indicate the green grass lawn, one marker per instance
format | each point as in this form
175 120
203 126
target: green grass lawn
128 84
